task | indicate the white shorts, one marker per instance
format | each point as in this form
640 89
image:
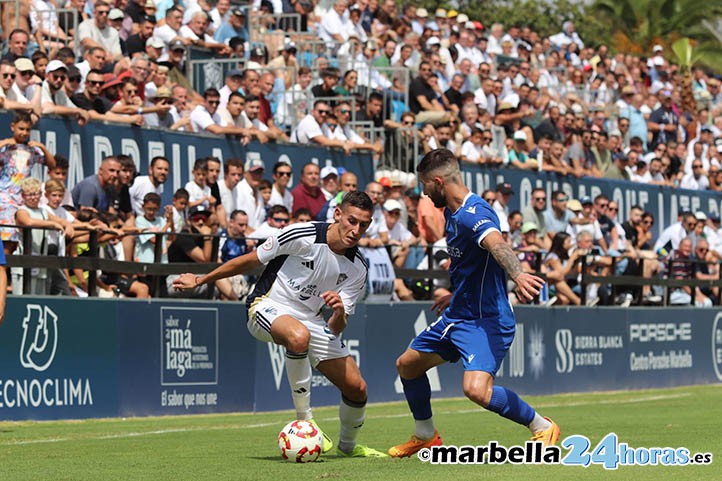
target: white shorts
322 346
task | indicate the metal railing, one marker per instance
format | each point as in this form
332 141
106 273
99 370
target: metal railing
46 17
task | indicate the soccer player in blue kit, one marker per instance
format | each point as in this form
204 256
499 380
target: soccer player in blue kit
477 322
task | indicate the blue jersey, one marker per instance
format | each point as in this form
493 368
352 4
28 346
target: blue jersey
477 280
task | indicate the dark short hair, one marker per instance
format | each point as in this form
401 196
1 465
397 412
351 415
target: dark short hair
126 161
181 194
158 158
61 162
237 212
278 165
236 94
233 162
22 116
435 159
278 209
152 198
358 199
303 211
211 92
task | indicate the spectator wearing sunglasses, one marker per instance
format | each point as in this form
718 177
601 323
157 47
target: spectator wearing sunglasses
310 129
53 99
278 218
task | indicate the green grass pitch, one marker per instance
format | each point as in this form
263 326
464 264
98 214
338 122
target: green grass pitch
243 446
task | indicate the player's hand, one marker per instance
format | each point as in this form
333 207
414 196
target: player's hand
528 285
441 304
333 300
185 281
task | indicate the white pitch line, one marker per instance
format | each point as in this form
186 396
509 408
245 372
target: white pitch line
386 416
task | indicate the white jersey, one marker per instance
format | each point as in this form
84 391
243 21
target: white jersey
300 266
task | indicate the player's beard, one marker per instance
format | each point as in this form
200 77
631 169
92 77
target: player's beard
438 198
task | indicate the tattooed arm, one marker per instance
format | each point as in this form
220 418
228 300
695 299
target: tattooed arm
528 285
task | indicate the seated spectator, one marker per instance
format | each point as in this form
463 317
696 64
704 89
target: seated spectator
326 91
180 207
97 106
198 190
307 194
196 248
17 44
195 31
159 115
258 128
54 100
681 266
310 130
697 179
557 217
278 218
10 96
138 43
423 99
234 242
518 156
205 118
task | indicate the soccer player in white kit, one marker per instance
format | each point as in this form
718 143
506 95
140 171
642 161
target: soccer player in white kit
309 266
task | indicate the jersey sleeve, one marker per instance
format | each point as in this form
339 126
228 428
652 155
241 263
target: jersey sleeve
351 294
293 240
481 222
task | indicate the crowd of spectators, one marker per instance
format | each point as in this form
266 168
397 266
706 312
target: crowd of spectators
493 94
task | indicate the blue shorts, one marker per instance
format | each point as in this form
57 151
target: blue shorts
481 344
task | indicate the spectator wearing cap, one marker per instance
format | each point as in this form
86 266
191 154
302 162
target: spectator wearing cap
170 31
97 32
586 222
154 49
53 99
329 182
251 199
232 84
307 194
581 157
234 26
138 43
10 96
163 97
123 24
197 248
131 103
310 131
97 106
27 83
196 31
617 169
518 156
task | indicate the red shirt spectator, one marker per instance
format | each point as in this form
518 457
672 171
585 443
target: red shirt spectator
308 193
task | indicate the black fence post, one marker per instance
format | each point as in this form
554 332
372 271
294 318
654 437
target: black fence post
157 258
27 233
583 282
93 272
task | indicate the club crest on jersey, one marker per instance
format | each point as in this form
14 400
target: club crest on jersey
341 277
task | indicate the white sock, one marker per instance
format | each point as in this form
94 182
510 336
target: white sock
539 424
298 370
352 415
425 428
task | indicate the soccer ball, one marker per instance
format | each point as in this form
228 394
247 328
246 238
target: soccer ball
300 442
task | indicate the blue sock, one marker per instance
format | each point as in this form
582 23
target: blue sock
418 395
508 404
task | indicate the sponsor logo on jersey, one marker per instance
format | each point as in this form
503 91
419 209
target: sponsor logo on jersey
479 224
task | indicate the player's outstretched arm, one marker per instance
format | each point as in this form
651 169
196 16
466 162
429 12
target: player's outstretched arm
528 285
239 265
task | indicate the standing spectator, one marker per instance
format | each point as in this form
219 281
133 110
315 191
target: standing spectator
230 195
281 194
205 118
153 182
664 122
139 42
329 182
251 198
681 266
149 222
95 191
10 96
278 218
198 190
96 32
18 155
233 238
307 194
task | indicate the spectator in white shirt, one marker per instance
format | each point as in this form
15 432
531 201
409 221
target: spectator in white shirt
153 182
278 218
697 180
232 84
344 132
251 198
228 188
171 30
309 130
196 32
54 100
96 32
335 24
205 118
280 193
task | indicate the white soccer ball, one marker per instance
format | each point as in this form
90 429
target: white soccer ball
300 442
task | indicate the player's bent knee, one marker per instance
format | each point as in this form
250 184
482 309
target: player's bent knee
297 340
355 390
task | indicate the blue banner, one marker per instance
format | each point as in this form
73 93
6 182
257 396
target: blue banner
69 358
58 359
86 146
664 203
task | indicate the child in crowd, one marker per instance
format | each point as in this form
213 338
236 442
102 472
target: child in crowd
198 190
60 174
30 214
266 189
151 223
180 209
